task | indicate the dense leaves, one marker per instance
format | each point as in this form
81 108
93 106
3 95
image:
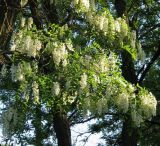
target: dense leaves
71 68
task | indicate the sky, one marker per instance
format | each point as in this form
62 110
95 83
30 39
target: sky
93 139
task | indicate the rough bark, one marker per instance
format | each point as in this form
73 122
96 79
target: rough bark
8 12
120 6
62 129
35 14
129 133
128 70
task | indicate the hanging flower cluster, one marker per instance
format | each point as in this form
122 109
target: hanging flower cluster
19 71
122 102
143 108
68 99
56 88
113 90
82 5
59 54
133 39
105 23
35 90
92 78
83 81
25 44
148 104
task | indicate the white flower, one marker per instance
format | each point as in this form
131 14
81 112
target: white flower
102 106
56 88
63 51
56 56
131 88
122 102
111 25
75 2
69 45
105 25
124 28
64 63
27 44
17 73
133 38
13 47
96 78
148 105
59 54
87 61
38 44
101 22
92 4
117 26
71 99
23 21
30 22
112 61
35 90
103 64
20 73
23 2
84 4
83 81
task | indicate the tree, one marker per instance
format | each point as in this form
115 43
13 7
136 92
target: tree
143 18
62 62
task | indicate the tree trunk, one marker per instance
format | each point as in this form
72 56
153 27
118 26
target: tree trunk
8 12
129 133
62 129
38 127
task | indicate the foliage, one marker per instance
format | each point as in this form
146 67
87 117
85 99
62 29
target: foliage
74 66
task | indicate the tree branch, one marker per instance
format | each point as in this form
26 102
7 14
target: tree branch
148 31
155 57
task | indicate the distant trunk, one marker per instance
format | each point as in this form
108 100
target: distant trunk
62 129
